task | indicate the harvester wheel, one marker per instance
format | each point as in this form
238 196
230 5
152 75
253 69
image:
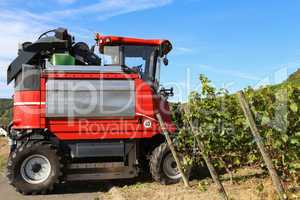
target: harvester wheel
163 166
34 167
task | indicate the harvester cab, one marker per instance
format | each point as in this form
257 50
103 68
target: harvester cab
78 115
135 55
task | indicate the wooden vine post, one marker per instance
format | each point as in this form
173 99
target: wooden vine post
258 140
209 164
172 148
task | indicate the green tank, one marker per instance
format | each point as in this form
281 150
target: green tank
62 59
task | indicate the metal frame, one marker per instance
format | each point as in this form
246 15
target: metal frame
106 171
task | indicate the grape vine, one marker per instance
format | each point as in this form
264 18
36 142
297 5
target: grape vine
226 133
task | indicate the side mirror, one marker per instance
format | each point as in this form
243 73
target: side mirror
167 92
166 61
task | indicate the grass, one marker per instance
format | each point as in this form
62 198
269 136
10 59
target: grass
135 186
2 163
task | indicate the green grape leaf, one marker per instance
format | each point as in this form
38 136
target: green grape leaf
294 107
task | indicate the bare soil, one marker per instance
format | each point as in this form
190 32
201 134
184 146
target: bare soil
4 151
246 184
4 148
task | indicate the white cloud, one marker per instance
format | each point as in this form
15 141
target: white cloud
231 72
5 91
18 26
108 8
66 1
3 67
182 51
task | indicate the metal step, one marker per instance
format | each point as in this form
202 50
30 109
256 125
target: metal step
95 165
103 171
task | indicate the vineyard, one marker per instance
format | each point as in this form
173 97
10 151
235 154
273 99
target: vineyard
227 138
5 111
225 132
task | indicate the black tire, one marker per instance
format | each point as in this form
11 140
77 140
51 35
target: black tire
157 160
17 158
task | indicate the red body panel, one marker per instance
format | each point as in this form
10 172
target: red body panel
102 40
116 40
27 110
32 115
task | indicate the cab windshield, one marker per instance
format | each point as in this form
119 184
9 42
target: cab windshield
137 59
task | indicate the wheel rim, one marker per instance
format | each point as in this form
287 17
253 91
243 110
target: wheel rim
170 167
35 169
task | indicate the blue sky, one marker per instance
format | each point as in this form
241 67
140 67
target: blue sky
235 43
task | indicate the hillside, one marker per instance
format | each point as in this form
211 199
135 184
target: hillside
5 111
294 78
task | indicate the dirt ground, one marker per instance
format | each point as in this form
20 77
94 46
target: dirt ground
4 151
247 184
